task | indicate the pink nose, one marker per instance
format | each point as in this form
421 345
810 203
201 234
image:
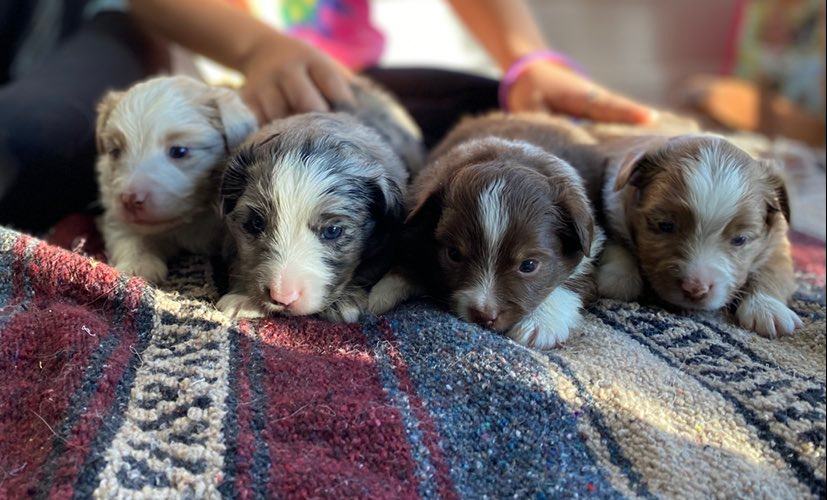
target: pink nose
696 289
284 295
134 202
485 316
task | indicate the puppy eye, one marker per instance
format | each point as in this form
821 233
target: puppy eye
454 255
255 224
115 153
528 266
739 240
666 227
332 232
178 152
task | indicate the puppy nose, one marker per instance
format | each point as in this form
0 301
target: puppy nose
696 289
133 202
284 296
485 316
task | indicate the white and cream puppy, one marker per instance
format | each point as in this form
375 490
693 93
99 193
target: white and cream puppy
312 204
501 229
703 223
162 145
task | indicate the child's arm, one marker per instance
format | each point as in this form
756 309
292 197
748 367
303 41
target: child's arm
508 32
283 75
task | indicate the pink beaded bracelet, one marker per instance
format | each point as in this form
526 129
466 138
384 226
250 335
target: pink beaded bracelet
520 65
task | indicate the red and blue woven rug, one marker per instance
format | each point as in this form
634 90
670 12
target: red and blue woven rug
110 387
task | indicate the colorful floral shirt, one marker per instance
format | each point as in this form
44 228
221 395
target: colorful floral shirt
342 28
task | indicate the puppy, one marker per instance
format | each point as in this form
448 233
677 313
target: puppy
501 229
161 146
312 203
706 225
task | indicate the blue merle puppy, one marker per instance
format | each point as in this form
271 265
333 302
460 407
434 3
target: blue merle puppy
311 204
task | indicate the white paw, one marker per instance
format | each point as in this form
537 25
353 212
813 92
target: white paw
238 306
537 334
342 313
347 309
618 276
389 292
148 267
551 323
767 316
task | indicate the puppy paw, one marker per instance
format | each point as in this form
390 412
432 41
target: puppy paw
767 316
347 309
238 306
618 276
148 267
538 334
551 323
389 292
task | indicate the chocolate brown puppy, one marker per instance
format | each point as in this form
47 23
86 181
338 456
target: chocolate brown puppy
501 229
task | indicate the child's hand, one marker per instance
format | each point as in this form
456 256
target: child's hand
547 86
286 76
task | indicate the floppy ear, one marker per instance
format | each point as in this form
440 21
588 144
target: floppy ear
780 199
633 169
104 110
415 240
578 231
236 120
387 205
386 208
234 180
425 215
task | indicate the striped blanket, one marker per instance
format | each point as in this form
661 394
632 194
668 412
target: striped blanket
112 388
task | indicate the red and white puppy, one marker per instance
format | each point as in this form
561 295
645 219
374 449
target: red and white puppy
705 223
501 229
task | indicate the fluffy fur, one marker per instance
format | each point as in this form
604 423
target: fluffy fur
501 229
161 146
705 223
312 204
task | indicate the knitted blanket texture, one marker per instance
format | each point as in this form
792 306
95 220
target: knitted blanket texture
110 387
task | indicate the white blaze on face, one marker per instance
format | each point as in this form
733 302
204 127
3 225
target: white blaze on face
494 221
298 265
715 187
493 215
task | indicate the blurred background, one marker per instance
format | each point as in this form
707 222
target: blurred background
754 65
640 47
753 68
